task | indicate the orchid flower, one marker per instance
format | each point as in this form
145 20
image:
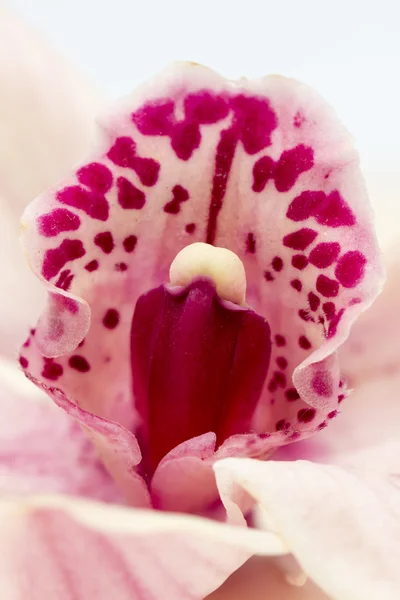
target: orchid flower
204 267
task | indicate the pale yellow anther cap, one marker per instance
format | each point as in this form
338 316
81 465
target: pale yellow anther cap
219 264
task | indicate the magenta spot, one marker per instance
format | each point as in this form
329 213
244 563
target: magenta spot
263 171
121 266
122 153
299 261
280 340
350 268
327 287
314 301
52 370
185 139
79 363
303 206
56 258
329 310
292 394
129 243
96 176
282 425
251 243
268 276
64 281
333 325
298 119
334 211
272 386
291 164
296 284
147 169
105 241
205 107
322 384
332 414
305 315
330 210
190 227
69 303
155 119
58 220
91 202
341 397
223 163
301 239
277 263
280 379
255 120
304 342
281 362
23 362
111 318
324 254
93 265
129 196
179 195
306 415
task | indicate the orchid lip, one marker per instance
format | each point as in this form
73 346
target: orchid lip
198 365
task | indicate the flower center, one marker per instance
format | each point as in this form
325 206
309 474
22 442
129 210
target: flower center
199 360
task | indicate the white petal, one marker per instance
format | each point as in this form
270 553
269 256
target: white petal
61 548
342 525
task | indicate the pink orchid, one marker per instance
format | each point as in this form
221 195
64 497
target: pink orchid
153 481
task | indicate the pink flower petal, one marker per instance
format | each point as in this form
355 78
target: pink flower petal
373 348
47 124
342 525
60 548
263 168
41 449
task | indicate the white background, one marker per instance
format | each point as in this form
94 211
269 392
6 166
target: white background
349 50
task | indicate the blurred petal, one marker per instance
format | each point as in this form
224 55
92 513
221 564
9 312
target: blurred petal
342 525
260 579
60 548
261 167
41 449
47 125
369 418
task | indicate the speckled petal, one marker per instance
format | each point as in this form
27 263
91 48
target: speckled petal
47 124
342 524
42 450
62 548
261 167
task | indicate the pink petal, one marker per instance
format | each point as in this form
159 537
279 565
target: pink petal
41 449
159 182
60 548
372 350
46 123
369 418
370 359
259 579
342 525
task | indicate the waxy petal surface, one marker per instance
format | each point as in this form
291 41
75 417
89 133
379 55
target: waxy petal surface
261 167
342 524
42 450
60 548
47 125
